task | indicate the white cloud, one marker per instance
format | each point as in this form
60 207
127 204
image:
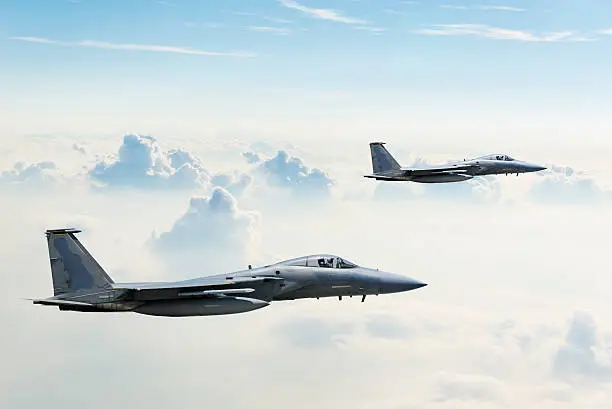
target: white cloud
375 30
213 235
576 359
277 20
289 172
480 30
314 333
130 47
482 7
25 176
141 163
80 149
235 183
564 185
452 6
475 388
252 157
393 11
268 29
606 31
263 16
324 14
498 8
387 326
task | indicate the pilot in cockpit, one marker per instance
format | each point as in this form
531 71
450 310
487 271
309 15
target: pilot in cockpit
323 262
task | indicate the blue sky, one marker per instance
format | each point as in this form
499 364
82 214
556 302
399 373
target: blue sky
74 61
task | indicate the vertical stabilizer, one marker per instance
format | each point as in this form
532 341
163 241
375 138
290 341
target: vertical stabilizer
72 267
381 158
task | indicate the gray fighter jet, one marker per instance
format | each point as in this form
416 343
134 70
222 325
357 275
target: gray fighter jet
385 167
80 284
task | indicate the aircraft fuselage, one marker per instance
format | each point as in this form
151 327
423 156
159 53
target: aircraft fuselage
82 285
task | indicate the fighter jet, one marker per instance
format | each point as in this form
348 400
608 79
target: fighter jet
81 284
385 167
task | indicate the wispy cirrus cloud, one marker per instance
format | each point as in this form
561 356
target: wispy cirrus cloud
497 33
277 20
323 14
131 47
269 29
262 16
481 7
393 11
607 31
452 6
499 8
374 30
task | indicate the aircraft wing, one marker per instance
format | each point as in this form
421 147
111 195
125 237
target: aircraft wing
436 170
215 286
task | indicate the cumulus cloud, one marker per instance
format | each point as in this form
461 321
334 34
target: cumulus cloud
80 149
141 163
214 234
564 185
289 172
577 357
252 157
40 174
235 183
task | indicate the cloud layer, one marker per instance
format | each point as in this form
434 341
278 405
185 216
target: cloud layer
497 343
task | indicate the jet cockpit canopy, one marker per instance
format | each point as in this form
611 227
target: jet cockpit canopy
500 157
319 260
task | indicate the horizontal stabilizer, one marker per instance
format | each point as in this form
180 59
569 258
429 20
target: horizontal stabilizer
63 231
58 303
381 177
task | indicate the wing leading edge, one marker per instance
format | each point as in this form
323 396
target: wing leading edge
205 287
434 170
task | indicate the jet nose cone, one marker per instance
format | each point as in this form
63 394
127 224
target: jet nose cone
398 283
535 168
419 284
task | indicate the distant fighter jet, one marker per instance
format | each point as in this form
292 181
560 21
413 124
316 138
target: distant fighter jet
80 284
385 167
